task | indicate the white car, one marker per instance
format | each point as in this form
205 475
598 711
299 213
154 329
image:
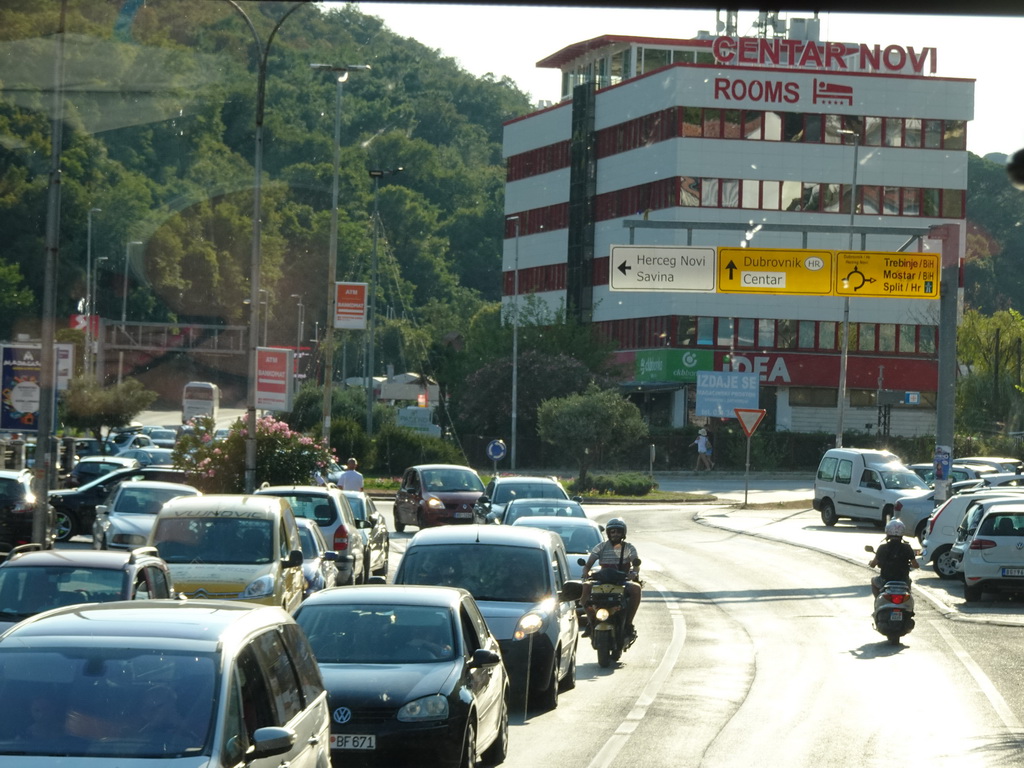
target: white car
993 558
125 522
952 515
862 484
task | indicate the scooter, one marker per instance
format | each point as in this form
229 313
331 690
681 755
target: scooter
609 636
894 609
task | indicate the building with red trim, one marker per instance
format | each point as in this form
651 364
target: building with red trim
743 142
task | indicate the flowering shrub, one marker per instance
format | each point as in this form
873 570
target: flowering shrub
283 456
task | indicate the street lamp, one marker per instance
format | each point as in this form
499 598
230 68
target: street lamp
124 306
515 347
845 332
301 321
376 175
95 284
88 291
332 259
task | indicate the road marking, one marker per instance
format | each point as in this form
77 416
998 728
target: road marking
610 749
995 698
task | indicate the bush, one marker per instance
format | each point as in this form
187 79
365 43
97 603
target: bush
397 448
630 484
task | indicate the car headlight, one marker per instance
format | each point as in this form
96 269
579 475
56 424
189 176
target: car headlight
529 624
428 708
261 587
434 503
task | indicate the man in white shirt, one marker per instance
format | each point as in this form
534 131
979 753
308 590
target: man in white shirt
351 479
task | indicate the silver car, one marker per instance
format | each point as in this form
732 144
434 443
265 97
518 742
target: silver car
125 522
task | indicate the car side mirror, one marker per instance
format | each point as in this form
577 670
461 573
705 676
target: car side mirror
294 559
869 548
484 657
571 590
272 740
578 499
360 523
483 500
101 509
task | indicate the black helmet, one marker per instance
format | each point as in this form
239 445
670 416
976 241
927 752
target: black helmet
616 522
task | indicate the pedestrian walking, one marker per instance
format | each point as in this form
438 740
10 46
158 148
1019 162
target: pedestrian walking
703 451
350 479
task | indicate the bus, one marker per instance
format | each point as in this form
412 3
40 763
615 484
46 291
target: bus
200 398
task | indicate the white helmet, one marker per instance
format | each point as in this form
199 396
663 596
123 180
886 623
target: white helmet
895 528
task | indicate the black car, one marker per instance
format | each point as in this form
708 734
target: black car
375 534
17 508
75 509
413 676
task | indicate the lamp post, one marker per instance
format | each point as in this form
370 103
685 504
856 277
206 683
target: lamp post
88 292
301 320
844 352
332 259
376 175
124 305
515 347
95 283
254 259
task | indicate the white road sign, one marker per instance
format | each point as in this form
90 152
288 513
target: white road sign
661 268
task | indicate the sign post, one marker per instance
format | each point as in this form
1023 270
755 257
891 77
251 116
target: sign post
496 452
749 419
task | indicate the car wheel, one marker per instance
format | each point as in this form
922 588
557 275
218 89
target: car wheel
420 522
399 525
365 577
382 570
922 527
828 513
498 751
569 681
972 594
547 699
943 564
64 525
468 758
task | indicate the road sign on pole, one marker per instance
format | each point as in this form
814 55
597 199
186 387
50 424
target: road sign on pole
662 268
775 270
749 418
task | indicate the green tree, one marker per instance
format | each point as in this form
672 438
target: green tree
89 407
590 426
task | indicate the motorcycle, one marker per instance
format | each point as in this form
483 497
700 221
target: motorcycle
609 636
894 609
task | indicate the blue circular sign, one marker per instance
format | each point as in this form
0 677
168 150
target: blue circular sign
496 450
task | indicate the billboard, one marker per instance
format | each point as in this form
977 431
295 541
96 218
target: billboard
274 378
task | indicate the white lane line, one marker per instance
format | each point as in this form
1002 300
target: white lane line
610 749
995 698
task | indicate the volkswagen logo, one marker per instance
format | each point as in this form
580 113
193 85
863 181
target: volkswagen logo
1020 545
342 715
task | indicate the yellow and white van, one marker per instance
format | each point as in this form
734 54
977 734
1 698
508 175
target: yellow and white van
232 547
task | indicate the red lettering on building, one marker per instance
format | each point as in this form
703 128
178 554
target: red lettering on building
774 52
768 91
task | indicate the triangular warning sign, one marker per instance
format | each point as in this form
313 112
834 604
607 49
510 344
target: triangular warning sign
749 418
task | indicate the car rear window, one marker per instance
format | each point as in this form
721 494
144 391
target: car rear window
507 491
487 571
1002 525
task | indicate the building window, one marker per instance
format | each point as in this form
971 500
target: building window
955 134
908 339
813 397
952 203
765 333
772 126
805 334
911 202
750 197
827 334
689 191
705 331
712 124
912 132
927 339
724 337
732 128
730 193
866 342
709 193
753 125
785 331
886 337
771 195
692 122
893 132
932 134
686 331
745 332
929 202
872 131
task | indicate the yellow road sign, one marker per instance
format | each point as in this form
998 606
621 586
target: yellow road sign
880 274
775 270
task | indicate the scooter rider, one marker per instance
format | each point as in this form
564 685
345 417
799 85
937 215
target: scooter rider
619 562
894 557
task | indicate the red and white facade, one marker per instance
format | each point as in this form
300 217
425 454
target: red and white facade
735 141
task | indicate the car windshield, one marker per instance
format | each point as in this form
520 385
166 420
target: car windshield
309 548
902 479
378 634
28 590
505 492
144 501
451 480
358 508
577 539
542 508
153 704
227 540
487 571
311 506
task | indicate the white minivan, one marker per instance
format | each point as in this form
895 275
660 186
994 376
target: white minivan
863 484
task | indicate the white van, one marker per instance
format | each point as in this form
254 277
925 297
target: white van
863 484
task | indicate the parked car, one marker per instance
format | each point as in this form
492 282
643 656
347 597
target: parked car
436 494
957 471
915 511
944 523
122 441
331 510
149 456
502 489
75 508
430 649
1007 464
863 484
376 538
34 579
993 557
17 509
318 560
232 547
518 508
89 468
125 522
162 437
519 577
156 682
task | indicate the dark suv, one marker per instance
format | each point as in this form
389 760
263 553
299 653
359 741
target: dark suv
33 579
17 508
75 509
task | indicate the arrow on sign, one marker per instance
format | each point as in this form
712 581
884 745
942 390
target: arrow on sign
749 418
624 269
731 266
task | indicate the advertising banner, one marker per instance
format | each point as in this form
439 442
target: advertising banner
274 379
19 383
720 393
350 306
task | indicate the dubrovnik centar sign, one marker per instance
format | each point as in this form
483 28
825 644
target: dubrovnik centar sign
875 274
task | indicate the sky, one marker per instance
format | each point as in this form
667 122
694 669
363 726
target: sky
509 40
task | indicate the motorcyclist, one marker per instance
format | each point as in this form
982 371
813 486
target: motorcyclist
894 557
619 563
